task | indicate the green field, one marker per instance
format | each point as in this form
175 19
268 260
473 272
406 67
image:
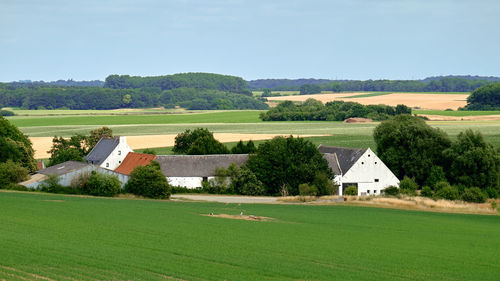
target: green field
64 237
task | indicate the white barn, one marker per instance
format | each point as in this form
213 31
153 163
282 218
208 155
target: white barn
109 153
361 168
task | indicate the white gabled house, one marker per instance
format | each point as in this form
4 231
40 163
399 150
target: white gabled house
361 168
109 153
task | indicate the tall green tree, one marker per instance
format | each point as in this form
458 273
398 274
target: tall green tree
15 146
409 147
198 141
282 164
148 181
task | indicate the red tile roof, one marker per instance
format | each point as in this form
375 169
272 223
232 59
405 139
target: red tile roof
134 160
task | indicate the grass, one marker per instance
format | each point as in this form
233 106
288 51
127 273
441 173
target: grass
123 111
368 95
66 237
456 113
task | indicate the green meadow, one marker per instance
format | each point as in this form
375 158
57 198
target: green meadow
60 237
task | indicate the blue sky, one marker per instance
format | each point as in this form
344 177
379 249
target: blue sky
352 39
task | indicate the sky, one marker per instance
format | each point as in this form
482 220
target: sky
352 39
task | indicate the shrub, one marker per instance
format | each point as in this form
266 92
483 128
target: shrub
244 181
149 151
492 192
306 189
11 172
51 184
391 190
99 184
473 194
408 186
6 113
324 185
18 187
447 192
426 192
436 175
351 190
440 185
148 181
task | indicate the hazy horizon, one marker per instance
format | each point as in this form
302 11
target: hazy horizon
352 40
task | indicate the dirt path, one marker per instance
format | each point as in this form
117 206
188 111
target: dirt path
228 199
423 101
43 144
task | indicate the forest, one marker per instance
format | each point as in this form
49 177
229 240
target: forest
313 110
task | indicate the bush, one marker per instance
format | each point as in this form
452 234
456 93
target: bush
12 173
351 190
492 192
447 192
306 189
426 192
51 184
391 190
148 181
473 194
436 175
18 187
324 185
149 151
408 186
102 185
6 113
244 181
440 185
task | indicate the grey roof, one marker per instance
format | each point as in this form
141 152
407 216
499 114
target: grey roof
333 163
63 168
346 156
197 165
102 149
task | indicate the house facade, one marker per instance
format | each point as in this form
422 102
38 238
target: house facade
109 153
361 168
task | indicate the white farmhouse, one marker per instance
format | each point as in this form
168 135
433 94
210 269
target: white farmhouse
361 168
109 153
191 170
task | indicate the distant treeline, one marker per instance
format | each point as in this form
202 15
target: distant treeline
313 110
433 84
66 83
182 80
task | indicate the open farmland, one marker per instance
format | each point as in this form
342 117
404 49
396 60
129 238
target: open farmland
421 100
55 237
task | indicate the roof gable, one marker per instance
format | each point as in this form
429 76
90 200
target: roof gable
346 156
63 168
133 160
197 165
333 163
102 150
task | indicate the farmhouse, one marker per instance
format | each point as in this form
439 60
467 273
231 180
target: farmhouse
360 168
109 152
191 170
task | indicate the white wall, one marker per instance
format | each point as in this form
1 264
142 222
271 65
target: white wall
189 182
338 180
366 170
116 157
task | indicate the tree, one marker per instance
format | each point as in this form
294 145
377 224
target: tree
96 135
244 181
308 89
281 164
11 173
63 150
15 146
149 181
473 162
100 184
408 146
485 98
198 141
241 148
351 190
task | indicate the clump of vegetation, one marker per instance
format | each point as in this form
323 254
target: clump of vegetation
474 195
99 184
241 148
446 191
391 190
306 189
4 112
484 98
314 110
351 190
199 141
148 181
15 146
408 186
12 173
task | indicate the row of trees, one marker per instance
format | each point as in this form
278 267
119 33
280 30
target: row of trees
182 80
105 98
485 98
413 149
445 84
201 141
314 110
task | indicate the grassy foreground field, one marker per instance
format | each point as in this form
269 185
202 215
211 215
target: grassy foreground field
64 237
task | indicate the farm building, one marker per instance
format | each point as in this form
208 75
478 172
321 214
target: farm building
68 172
361 168
109 152
191 170
134 160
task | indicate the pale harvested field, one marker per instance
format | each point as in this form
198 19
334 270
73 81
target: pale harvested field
43 144
423 101
462 118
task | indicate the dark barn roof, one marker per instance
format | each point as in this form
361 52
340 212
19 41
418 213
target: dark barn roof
333 163
102 149
197 165
346 156
63 168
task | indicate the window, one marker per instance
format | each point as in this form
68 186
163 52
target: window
374 191
376 180
205 179
368 191
119 162
368 155
375 162
362 163
107 165
119 152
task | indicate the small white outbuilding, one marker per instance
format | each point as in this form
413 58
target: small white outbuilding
109 153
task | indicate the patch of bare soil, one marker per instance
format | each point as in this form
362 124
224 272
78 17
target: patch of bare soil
42 145
239 217
461 118
358 120
424 101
